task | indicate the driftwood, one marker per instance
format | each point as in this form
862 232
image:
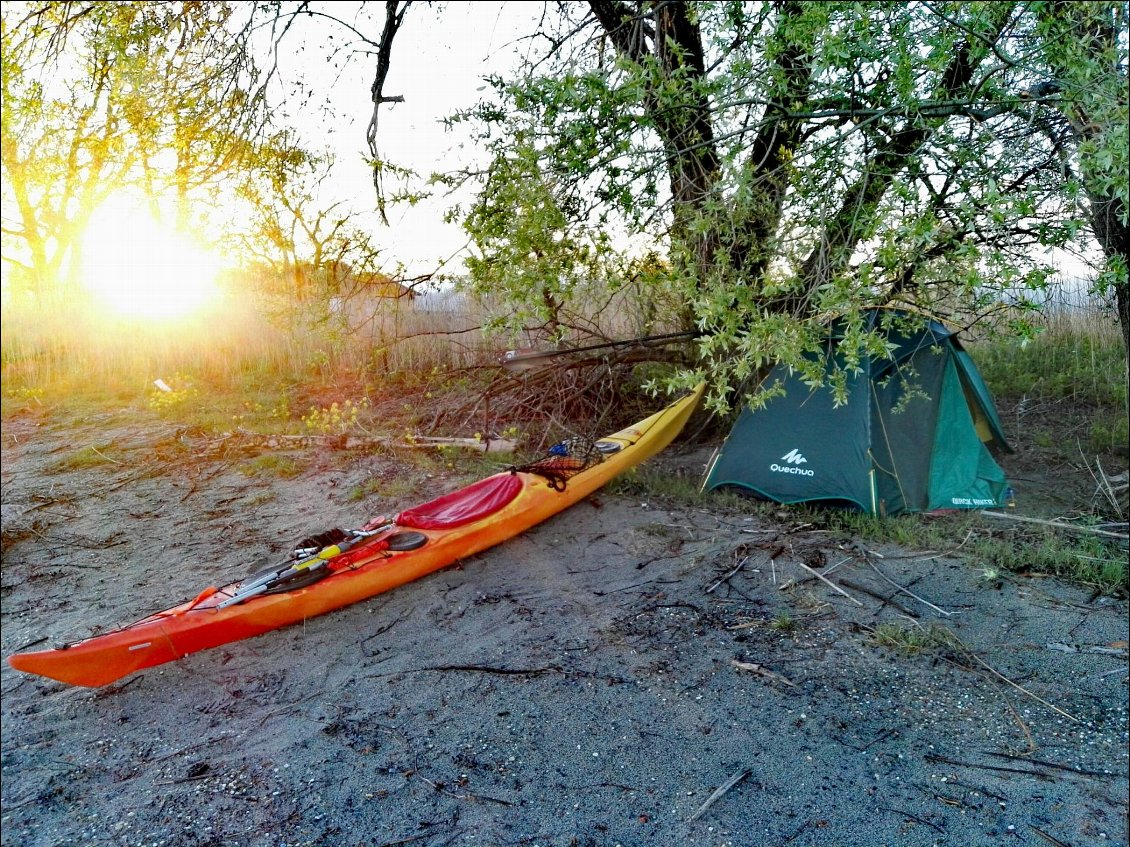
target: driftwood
753 667
718 792
358 442
1058 525
483 445
904 590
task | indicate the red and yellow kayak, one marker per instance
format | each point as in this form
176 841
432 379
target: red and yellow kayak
374 560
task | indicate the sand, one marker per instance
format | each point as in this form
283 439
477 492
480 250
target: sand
628 673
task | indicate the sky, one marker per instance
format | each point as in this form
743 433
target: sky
440 57
439 60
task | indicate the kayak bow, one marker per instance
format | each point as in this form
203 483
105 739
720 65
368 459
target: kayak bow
444 530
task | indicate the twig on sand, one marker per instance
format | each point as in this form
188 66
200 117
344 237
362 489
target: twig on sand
104 456
1051 839
887 601
829 582
762 671
1047 764
1028 771
183 779
1118 652
718 582
913 817
407 840
1020 723
115 689
187 749
934 757
799 830
442 787
886 733
970 654
1105 674
908 592
478 669
719 792
468 795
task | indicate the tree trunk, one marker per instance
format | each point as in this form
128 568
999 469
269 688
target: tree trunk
1082 49
855 219
778 136
683 123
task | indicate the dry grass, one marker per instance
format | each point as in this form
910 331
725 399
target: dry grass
69 345
272 365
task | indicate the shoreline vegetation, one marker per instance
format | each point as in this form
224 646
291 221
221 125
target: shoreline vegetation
384 372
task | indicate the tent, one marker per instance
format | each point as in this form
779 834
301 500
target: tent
912 437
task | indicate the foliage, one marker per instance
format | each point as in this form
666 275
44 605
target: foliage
1074 363
1084 367
102 96
1085 49
819 158
337 418
302 246
164 103
745 170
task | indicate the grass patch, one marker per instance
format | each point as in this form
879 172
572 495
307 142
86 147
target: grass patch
912 640
469 464
1074 368
397 489
84 459
655 483
1090 561
272 464
369 488
784 622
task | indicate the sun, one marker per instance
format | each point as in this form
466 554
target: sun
137 267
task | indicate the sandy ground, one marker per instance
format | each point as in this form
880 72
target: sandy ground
595 681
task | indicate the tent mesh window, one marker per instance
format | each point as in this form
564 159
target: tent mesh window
564 461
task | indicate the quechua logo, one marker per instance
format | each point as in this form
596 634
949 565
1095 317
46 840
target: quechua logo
793 461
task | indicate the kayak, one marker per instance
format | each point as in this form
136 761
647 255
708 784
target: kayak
345 567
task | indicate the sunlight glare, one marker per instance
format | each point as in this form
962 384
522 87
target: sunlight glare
137 267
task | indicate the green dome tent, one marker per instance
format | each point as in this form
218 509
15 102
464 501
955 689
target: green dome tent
912 436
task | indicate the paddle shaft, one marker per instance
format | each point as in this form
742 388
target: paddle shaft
266 581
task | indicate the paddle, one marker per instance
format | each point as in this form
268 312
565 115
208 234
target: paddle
277 577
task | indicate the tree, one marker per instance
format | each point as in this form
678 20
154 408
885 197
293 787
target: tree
817 158
1085 48
103 96
792 160
321 246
